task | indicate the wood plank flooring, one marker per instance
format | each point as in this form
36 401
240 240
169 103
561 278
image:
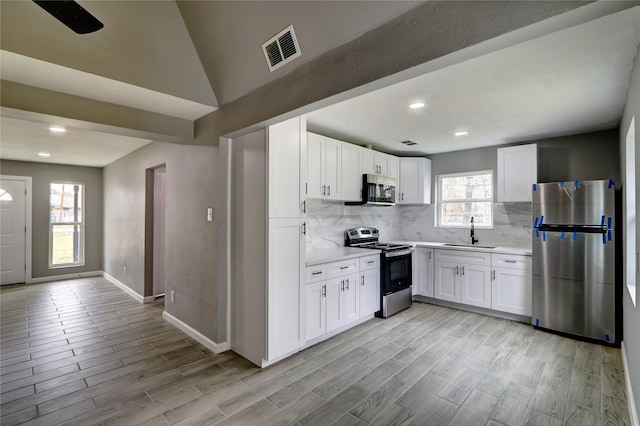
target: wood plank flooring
82 352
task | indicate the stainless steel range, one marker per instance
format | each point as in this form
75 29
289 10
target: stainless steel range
395 269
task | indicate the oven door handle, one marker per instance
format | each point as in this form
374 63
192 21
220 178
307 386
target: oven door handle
398 253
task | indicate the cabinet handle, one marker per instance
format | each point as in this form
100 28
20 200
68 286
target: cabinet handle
463 270
304 228
494 274
304 206
369 262
457 271
328 190
510 261
402 196
324 291
347 284
362 280
344 267
342 285
324 189
316 273
429 255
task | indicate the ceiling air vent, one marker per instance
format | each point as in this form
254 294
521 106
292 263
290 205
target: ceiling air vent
409 143
281 48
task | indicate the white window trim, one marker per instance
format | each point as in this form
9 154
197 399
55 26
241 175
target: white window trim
82 229
439 201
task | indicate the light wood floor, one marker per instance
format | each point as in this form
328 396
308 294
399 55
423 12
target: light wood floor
83 352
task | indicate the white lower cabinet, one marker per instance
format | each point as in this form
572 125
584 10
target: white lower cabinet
338 294
424 264
463 277
315 310
369 297
343 305
511 284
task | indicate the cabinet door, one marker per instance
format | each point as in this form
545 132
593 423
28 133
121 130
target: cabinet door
475 285
287 155
424 272
335 311
350 298
315 149
511 291
350 176
368 162
517 172
286 274
332 168
392 168
315 310
369 292
409 184
447 283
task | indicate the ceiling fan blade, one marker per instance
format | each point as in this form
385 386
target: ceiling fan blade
72 15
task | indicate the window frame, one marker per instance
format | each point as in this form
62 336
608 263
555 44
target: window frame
440 202
81 224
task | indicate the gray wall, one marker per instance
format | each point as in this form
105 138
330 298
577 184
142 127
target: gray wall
631 313
578 157
42 175
192 242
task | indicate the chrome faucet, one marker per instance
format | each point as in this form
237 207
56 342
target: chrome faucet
473 233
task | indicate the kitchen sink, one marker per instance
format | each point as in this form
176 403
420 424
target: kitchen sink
469 245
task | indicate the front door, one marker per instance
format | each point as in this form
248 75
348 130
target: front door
12 231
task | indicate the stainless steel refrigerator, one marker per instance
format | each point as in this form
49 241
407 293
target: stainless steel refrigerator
574 287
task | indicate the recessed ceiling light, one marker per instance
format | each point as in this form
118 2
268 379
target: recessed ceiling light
416 105
44 154
461 133
57 129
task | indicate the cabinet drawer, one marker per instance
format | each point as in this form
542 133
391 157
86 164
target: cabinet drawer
370 262
513 261
343 267
462 256
316 273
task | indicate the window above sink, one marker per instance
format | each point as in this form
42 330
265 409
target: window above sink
460 196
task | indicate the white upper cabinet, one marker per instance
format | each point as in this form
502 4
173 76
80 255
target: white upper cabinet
323 167
351 178
379 163
517 172
287 145
415 181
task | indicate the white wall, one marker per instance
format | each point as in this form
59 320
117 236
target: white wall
631 313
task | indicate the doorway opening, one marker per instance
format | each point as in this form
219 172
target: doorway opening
15 229
155 246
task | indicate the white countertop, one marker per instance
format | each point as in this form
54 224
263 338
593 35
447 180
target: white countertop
497 249
317 257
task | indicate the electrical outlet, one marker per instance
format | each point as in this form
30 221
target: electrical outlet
124 271
173 296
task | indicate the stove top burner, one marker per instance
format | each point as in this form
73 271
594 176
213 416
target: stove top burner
368 238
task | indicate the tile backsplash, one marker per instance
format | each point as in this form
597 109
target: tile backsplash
327 221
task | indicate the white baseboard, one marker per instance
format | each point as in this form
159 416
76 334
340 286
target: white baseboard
64 277
633 410
126 289
199 337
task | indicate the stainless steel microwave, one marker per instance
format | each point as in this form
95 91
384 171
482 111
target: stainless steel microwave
378 190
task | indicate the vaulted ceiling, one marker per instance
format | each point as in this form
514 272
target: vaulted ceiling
157 67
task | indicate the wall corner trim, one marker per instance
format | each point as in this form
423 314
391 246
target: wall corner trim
195 334
633 410
128 290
